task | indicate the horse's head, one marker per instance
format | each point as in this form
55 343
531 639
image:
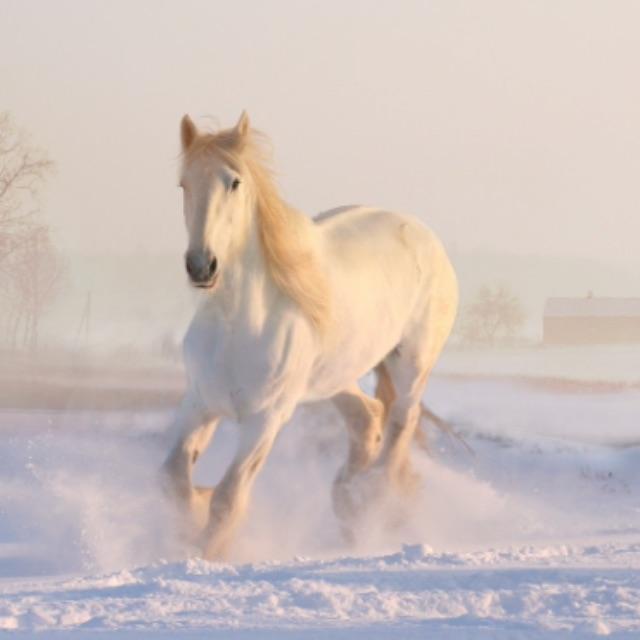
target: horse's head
217 200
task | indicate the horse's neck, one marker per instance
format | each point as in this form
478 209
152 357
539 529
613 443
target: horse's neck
247 291
249 294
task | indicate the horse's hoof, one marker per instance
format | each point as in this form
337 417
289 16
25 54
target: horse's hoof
408 482
214 549
354 499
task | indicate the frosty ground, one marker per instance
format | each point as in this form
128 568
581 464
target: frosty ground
536 534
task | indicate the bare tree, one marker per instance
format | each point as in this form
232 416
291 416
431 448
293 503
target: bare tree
30 268
495 314
37 273
23 169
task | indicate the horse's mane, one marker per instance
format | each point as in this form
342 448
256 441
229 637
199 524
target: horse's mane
286 235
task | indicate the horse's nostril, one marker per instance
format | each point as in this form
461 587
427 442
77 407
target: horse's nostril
188 263
200 267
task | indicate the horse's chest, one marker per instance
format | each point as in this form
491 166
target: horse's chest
239 372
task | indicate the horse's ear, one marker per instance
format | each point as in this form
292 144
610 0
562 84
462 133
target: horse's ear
243 126
188 132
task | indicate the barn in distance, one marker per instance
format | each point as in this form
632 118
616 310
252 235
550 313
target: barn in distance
591 320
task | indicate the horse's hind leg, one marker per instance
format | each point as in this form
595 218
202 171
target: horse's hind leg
194 429
364 419
408 368
385 391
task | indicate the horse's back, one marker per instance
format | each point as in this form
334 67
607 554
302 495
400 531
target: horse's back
387 269
356 232
323 216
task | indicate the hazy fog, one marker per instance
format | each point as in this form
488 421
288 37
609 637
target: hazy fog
510 127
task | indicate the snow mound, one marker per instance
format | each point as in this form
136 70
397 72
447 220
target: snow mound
538 590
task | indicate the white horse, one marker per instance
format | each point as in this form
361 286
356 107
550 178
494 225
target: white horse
298 310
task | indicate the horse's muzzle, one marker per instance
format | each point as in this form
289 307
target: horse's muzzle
202 269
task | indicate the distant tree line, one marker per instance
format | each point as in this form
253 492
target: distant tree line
494 316
31 270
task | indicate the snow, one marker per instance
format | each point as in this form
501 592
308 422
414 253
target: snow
535 534
551 589
580 367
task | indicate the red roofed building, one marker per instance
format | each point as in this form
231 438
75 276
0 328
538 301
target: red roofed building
591 320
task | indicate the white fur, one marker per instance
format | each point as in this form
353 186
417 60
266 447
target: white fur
252 354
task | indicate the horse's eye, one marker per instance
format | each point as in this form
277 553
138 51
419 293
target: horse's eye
235 184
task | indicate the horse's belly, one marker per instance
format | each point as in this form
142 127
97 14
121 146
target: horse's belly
373 307
357 352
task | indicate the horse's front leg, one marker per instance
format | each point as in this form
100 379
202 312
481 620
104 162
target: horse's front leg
193 427
231 498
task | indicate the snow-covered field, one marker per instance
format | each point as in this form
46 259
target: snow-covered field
536 534
598 365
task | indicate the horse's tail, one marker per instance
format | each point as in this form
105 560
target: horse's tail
428 416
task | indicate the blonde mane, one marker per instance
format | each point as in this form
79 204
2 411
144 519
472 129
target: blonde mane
286 235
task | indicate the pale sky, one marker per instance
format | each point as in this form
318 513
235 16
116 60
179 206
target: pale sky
507 126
